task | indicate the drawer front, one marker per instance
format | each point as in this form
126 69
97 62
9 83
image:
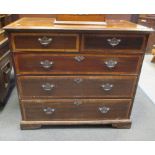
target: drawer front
45 42
72 109
101 42
76 64
76 86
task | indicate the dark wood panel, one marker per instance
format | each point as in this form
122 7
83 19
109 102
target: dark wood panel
91 42
76 86
71 109
6 19
45 42
76 64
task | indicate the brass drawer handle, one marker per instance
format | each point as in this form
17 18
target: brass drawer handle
77 102
114 41
107 86
49 110
78 80
104 109
48 86
45 41
110 63
79 58
46 64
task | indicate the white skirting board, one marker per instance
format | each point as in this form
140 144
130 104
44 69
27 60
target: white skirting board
147 78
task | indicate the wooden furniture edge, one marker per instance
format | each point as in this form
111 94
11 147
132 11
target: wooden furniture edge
121 124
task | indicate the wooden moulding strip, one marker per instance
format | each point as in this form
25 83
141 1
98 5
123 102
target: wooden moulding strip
68 122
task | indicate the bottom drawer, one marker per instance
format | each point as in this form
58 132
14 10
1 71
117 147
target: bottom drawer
75 109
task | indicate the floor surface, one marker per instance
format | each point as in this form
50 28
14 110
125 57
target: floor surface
143 127
147 78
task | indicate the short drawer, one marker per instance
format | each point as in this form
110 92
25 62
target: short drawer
76 64
76 86
100 42
45 42
75 109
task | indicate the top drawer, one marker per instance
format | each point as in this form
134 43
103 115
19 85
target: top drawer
100 42
45 42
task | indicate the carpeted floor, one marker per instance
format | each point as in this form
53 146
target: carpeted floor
146 81
143 127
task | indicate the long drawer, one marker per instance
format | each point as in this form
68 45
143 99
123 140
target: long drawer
76 86
71 109
100 42
77 64
45 42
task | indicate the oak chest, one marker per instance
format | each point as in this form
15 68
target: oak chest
76 74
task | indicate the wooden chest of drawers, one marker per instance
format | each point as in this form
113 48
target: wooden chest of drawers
76 74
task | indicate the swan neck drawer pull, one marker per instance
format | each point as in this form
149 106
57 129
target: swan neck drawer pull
46 64
107 86
110 63
77 102
78 80
49 110
104 109
48 86
114 41
45 41
79 58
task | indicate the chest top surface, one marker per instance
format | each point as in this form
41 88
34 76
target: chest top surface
48 24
